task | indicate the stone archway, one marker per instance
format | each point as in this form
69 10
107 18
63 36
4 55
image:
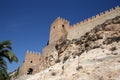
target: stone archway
30 71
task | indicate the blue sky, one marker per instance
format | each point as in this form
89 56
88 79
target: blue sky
27 22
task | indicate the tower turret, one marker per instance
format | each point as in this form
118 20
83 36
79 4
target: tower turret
59 29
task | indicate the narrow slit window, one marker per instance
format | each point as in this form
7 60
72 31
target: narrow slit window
63 26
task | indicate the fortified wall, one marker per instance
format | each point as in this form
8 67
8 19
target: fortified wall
79 29
61 30
31 63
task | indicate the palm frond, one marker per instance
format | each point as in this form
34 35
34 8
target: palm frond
5 44
6 52
4 75
3 64
9 55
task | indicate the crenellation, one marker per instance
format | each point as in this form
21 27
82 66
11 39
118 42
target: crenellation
31 60
88 19
81 22
106 12
91 19
30 52
33 53
117 7
62 30
27 51
112 9
60 19
56 33
97 16
85 20
74 26
77 24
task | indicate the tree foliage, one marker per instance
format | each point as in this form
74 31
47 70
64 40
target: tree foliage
6 52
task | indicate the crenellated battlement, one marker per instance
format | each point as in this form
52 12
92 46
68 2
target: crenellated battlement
60 31
60 19
59 28
86 25
73 31
32 60
98 16
33 53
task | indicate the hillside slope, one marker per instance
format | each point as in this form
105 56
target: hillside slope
94 56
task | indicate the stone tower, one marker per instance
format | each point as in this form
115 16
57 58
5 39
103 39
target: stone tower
31 63
59 29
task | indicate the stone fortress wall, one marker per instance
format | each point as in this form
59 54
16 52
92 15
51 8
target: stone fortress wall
32 60
77 30
61 30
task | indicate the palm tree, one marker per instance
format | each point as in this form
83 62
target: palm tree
6 52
